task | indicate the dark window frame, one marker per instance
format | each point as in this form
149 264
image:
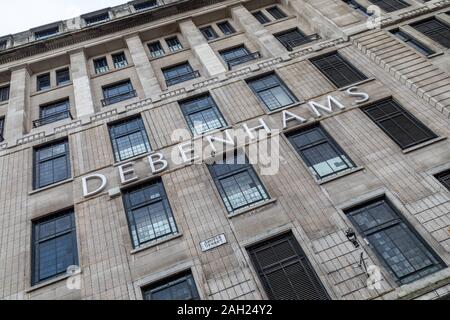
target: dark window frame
109 99
412 42
46 117
47 33
226 28
170 282
145 5
390 5
238 59
64 74
2 128
118 64
444 179
43 82
439 33
294 37
4 93
101 68
209 33
181 76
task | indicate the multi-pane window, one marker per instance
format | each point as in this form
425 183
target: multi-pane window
277 13
47 33
43 82
51 164
202 114
149 214
118 92
261 17
399 124
180 287
322 155
101 17
444 178
2 128
209 33
145 5
226 28
174 44
294 38
272 91
404 253
62 77
54 246
179 73
4 93
119 60
156 49
338 70
390 5
101 65
423 49
129 139
238 55
285 271
3 45
355 5
237 182
53 112
434 29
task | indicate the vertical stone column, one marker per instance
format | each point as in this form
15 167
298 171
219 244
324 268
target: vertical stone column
202 50
84 103
18 106
143 67
267 43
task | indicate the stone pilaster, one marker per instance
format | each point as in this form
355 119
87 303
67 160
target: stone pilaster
84 104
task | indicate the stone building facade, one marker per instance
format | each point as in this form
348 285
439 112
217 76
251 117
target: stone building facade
359 207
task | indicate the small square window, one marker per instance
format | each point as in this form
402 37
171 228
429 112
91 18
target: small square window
119 60
2 128
4 93
144 5
226 28
444 178
3 45
276 13
174 44
101 65
156 49
209 33
53 112
98 18
179 73
62 77
43 82
118 92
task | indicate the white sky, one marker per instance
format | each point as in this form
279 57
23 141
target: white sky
22 15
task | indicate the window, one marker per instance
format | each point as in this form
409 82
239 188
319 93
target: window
261 17
2 128
98 18
237 182
174 44
338 70
226 28
238 55
179 73
435 30
53 112
180 287
119 60
54 246
62 77
44 34
202 115
101 65
294 38
444 178
149 214
3 45
272 91
399 124
423 49
405 254
118 92
355 5
156 50
145 5
51 164
285 271
4 93
129 139
323 156
390 5
43 82
209 33
276 13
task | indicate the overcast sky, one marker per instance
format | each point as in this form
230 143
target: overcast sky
21 15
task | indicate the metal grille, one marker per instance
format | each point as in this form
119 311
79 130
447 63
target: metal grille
404 253
261 17
294 38
209 33
338 70
119 60
277 13
118 92
321 153
180 287
434 29
179 73
97 18
174 44
62 76
52 113
54 246
238 55
51 164
156 49
398 123
101 65
285 271
444 178
226 28
390 5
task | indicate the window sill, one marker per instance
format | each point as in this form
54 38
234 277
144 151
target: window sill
252 208
156 243
436 54
424 144
356 84
340 175
96 75
49 283
37 93
50 186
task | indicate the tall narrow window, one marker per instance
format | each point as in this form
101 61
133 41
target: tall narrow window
149 214
101 65
129 139
404 253
4 93
272 91
43 82
322 155
338 70
174 44
119 60
285 271
444 178
423 49
62 77
398 123
294 38
237 183
53 112
277 13
238 55
209 33
226 28
390 5
156 50
179 73
51 164
54 246
261 17
435 30
118 92
180 287
202 114
2 128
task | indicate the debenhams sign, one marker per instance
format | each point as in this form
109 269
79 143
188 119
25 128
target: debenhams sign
158 163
